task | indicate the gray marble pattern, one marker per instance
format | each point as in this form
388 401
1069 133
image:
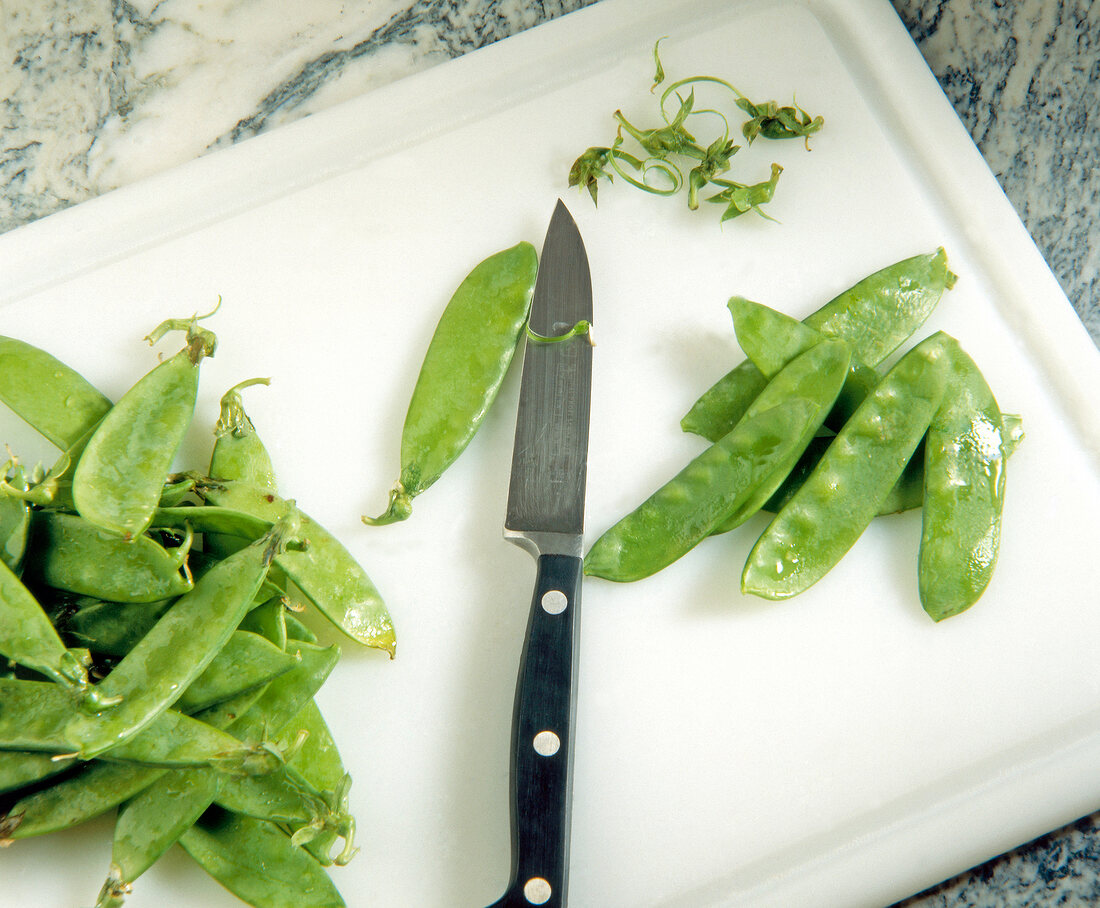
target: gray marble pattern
100 93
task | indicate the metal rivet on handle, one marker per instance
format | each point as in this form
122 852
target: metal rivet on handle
554 602
537 891
546 743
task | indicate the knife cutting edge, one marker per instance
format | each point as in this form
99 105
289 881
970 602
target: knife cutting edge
546 516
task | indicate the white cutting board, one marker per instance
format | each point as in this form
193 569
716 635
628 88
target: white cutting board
836 749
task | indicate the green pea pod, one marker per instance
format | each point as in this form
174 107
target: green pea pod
964 483
268 620
296 630
91 792
112 628
685 510
38 716
875 316
325 571
830 511
218 520
28 637
155 673
318 758
462 372
238 452
55 400
819 375
15 520
73 554
257 862
20 768
771 340
121 474
150 823
247 660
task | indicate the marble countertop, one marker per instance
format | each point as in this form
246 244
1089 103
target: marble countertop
100 93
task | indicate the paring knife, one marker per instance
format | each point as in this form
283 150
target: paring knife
546 517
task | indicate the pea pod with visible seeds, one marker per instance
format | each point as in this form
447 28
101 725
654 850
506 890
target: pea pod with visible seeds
837 502
685 510
462 372
875 316
119 478
964 481
50 396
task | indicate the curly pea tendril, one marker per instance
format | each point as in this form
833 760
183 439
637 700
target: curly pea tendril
669 148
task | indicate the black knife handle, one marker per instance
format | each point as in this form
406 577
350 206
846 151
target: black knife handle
542 739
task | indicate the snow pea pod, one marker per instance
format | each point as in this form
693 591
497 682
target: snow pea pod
257 862
875 316
964 484
50 396
28 637
155 673
72 554
15 521
771 340
687 508
20 768
238 451
120 476
247 660
325 571
112 628
462 372
150 823
830 511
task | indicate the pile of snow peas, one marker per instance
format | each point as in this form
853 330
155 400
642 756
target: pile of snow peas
810 429
153 661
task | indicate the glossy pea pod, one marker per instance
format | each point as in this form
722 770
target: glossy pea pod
333 581
837 502
15 519
729 481
685 510
50 396
875 316
121 473
465 364
964 483
75 555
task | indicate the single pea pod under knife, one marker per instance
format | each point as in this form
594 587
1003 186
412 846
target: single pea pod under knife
463 368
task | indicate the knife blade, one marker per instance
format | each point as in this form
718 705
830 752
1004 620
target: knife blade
545 515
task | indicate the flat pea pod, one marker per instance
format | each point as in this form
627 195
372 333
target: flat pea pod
318 758
268 619
686 509
15 521
238 451
325 571
28 637
120 476
218 520
37 716
112 628
875 316
20 768
150 823
89 793
964 486
818 375
50 396
257 862
74 555
772 339
247 660
839 499
463 369
156 672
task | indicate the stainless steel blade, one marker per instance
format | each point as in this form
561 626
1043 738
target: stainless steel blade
546 492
